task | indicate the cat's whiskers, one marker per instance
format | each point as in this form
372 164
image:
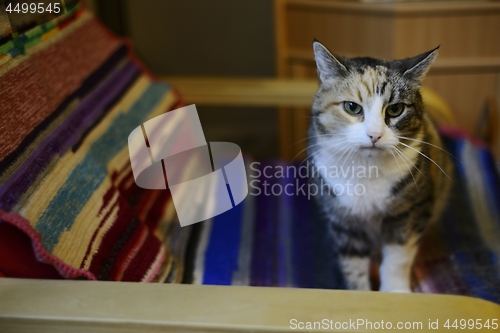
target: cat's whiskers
401 155
343 151
306 148
314 145
349 156
409 160
341 158
399 167
430 144
310 137
314 154
427 157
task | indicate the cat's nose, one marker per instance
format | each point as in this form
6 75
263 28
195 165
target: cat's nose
374 137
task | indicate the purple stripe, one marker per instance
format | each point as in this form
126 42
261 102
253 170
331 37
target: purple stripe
264 248
286 210
67 134
302 238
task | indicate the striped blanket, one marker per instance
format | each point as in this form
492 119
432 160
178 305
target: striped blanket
70 94
275 239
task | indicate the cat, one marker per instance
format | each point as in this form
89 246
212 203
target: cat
369 113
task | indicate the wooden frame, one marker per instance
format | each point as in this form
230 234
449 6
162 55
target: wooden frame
91 306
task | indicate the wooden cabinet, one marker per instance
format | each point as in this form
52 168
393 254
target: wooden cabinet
466 73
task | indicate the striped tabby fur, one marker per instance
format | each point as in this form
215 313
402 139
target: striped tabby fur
369 113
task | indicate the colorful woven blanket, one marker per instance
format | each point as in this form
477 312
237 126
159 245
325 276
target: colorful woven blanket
279 240
70 94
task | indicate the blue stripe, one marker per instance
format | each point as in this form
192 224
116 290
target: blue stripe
462 232
92 170
492 198
492 182
221 256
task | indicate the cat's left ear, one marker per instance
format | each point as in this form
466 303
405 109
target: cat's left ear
417 67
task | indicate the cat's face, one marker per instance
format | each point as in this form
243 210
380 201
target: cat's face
369 103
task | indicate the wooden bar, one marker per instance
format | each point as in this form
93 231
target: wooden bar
246 92
440 66
91 306
399 8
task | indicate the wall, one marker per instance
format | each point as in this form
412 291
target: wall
206 38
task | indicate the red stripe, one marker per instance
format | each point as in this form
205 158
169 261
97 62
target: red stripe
130 255
144 259
124 218
155 214
106 200
127 248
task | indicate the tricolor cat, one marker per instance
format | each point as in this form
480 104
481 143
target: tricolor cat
369 113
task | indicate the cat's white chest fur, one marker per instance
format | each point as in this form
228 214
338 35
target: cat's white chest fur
361 185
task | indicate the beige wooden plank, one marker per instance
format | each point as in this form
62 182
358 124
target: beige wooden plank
440 66
90 306
246 92
399 8
282 93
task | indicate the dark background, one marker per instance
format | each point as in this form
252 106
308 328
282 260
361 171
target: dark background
206 38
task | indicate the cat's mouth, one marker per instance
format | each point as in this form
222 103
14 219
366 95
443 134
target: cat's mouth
371 148
371 151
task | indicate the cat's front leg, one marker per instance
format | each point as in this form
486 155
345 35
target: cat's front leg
353 249
397 260
356 271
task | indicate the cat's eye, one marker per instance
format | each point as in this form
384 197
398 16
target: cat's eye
353 108
395 110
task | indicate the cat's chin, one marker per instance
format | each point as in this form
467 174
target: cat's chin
371 151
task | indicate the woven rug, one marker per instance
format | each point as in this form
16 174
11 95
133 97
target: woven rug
70 94
279 240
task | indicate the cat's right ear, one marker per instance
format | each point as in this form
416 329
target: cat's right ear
329 67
